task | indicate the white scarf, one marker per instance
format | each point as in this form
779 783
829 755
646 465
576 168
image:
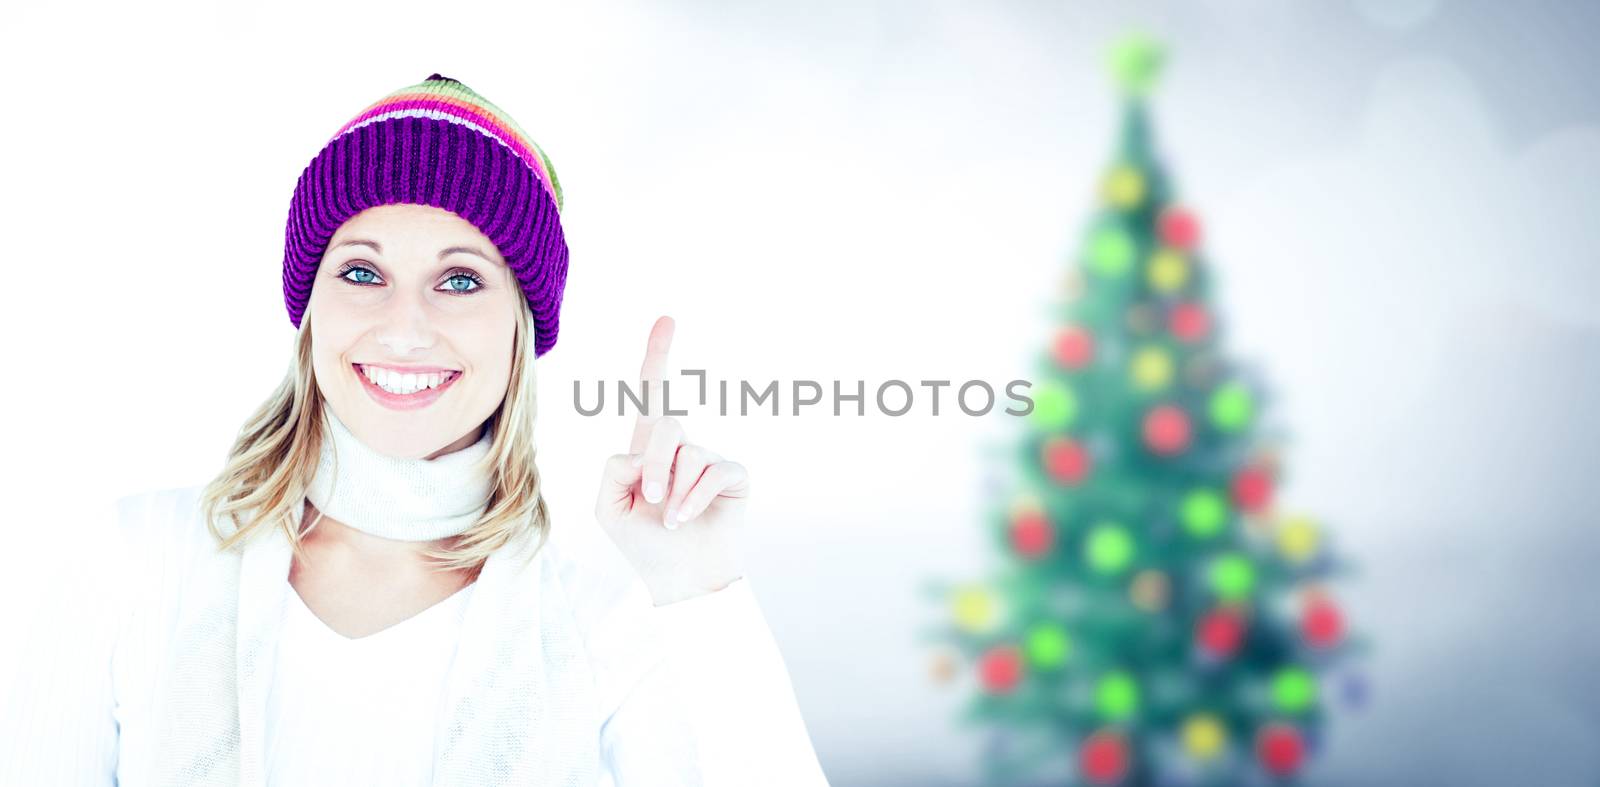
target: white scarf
400 499
517 710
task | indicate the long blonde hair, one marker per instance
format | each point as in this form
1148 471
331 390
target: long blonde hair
275 456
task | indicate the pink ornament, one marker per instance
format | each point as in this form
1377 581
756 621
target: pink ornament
1065 460
1188 322
1252 489
1166 430
1031 535
1104 757
1219 633
1322 624
1280 749
1178 228
1000 669
1073 348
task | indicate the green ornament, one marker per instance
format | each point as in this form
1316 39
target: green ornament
1233 576
1054 406
1047 645
1136 59
1111 251
1293 689
1204 512
1109 548
1116 696
1231 407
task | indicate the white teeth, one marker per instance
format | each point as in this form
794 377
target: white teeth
404 384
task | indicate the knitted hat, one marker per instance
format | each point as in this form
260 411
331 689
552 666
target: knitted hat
436 143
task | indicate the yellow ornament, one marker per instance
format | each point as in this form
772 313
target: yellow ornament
975 609
943 667
1203 736
1149 590
1297 539
1123 187
1152 368
1168 271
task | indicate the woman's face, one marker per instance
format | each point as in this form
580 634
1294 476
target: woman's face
413 287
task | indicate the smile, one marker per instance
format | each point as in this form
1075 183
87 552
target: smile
405 391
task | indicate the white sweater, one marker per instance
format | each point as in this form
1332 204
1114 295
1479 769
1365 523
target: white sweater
368 704
78 711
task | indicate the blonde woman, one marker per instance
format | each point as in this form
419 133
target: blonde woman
372 591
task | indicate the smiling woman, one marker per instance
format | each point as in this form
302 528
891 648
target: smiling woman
401 294
372 590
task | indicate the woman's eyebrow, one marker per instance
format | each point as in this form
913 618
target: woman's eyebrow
445 253
372 243
466 249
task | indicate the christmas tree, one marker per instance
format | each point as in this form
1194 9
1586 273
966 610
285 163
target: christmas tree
1156 617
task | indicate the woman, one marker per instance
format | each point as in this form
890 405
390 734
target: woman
372 591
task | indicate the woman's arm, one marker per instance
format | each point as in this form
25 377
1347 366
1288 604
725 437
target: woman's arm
671 508
716 710
739 700
58 725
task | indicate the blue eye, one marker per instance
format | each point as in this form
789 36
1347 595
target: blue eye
358 270
476 282
358 274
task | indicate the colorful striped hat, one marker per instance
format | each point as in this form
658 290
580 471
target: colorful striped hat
436 143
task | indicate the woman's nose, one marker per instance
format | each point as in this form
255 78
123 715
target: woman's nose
406 325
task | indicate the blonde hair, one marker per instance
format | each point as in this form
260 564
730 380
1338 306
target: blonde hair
275 456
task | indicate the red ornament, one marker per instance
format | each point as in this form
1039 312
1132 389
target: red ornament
1104 757
1166 430
1178 228
1280 749
1065 460
1219 633
1000 669
1031 534
1322 624
1188 322
1252 489
1073 348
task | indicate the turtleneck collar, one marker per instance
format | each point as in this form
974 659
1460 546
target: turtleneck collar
400 499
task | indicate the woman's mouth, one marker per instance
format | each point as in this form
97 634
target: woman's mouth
399 391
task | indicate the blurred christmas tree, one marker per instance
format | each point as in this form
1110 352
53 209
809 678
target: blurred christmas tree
1156 618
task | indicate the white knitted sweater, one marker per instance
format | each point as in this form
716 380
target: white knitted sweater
620 692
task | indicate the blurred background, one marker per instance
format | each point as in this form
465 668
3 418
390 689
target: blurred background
1397 201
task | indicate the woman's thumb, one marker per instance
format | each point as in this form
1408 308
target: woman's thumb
616 486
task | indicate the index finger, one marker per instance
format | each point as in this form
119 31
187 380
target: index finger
652 374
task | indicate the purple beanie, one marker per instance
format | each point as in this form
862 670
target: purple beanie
436 143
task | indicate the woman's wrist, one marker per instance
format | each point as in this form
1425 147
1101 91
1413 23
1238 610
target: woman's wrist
664 593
